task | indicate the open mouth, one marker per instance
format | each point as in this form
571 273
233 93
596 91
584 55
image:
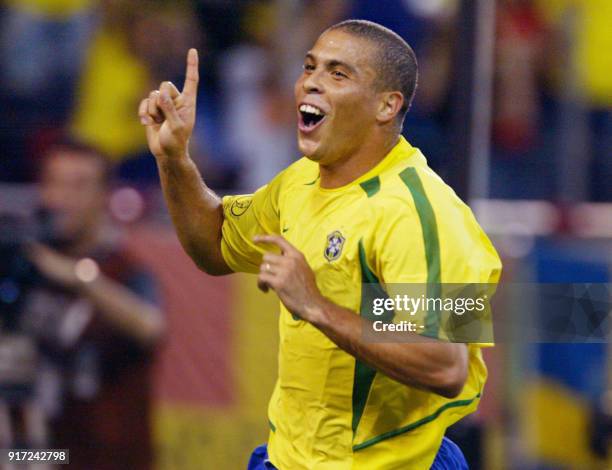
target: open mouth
310 117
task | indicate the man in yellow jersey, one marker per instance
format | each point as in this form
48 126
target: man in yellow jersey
361 206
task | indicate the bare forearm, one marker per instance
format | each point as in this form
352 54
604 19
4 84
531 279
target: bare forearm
432 365
429 364
124 310
168 116
196 211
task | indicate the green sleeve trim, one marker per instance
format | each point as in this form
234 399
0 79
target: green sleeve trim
431 241
371 186
271 424
416 424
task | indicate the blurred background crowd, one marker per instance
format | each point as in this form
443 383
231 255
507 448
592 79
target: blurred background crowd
513 109
81 66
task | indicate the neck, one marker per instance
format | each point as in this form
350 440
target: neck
357 162
88 240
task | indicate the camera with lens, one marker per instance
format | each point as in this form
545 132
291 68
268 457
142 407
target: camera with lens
17 272
18 276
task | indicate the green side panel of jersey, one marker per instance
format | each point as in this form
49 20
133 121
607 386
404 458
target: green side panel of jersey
364 374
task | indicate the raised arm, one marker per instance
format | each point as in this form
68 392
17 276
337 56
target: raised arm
197 213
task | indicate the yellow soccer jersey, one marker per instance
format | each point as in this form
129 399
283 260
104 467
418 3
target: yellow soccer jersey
398 223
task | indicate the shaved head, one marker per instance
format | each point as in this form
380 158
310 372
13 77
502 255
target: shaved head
394 59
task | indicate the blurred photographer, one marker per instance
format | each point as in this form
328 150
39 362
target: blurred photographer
92 313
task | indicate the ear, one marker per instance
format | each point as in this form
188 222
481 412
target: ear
389 106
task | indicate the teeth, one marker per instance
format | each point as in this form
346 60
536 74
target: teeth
306 108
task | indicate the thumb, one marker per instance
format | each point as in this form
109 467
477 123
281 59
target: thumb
262 285
171 114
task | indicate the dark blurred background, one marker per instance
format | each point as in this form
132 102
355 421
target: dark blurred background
513 109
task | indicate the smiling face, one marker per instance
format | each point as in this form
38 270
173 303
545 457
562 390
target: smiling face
336 97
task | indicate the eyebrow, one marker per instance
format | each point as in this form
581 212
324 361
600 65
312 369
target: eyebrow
333 63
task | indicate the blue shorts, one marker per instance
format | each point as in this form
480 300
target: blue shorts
449 457
259 459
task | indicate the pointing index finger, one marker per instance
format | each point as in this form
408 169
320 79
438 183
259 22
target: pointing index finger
190 88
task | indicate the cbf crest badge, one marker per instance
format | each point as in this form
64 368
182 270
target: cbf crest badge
335 242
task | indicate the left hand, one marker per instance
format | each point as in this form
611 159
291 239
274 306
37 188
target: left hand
53 265
289 275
